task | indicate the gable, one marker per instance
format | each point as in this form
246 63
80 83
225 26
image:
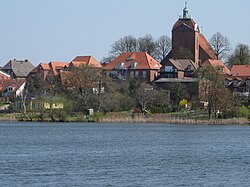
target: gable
184 27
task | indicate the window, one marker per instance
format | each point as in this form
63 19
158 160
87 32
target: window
248 82
9 89
136 73
132 74
168 68
226 82
144 74
235 82
120 65
95 90
133 65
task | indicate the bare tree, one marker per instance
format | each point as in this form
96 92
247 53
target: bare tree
163 47
220 44
125 44
240 56
108 59
147 44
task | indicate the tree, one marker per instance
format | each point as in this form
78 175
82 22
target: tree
125 44
240 56
220 44
163 47
145 98
214 92
157 49
84 81
184 53
147 44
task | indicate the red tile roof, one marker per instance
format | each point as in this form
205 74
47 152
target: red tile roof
4 75
142 60
86 60
44 66
206 47
240 71
11 82
217 65
57 66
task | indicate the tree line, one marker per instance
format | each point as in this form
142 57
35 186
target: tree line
159 48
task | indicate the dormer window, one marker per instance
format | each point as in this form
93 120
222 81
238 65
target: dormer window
120 65
129 59
9 89
133 65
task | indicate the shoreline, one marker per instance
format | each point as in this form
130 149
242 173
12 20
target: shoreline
155 118
231 121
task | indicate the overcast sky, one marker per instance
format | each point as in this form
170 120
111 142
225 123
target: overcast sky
59 30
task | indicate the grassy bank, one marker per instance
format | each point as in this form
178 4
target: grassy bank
170 119
8 117
126 117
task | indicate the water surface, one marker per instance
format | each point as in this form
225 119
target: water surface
90 154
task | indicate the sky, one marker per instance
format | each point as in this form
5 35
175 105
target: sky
59 30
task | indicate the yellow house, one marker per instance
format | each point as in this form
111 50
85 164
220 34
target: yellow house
53 105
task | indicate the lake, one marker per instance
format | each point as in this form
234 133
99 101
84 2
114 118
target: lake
92 154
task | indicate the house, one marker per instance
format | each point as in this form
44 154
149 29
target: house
179 68
18 68
84 60
41 70
34 103
139 65
218 66
4 75
239 80
52 69
11 88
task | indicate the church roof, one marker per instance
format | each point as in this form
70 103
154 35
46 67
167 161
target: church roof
182 64
206 47
186 22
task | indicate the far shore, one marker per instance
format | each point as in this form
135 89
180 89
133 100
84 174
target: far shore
232 121
154 118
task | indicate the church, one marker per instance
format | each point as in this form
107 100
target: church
190 51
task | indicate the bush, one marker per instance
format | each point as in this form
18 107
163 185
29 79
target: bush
245 112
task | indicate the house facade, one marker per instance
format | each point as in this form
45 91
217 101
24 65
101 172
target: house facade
139 65
11 88
179 68
239 81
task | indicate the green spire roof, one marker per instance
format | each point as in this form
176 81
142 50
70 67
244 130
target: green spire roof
185 12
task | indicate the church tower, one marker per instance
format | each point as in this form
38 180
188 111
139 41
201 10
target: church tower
185 38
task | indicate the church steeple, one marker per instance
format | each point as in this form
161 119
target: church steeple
185 12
